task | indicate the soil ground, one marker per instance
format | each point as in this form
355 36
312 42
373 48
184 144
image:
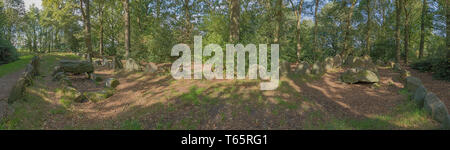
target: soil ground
157 101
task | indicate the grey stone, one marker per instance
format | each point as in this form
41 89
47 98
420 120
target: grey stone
359 75
131 65
76 66
412 83
151 67
74 94
17 91
434 106
112 83
419 96
317 68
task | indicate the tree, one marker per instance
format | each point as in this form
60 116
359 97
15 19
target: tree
447 27
298 17
87 26
234 8
407 30
126 20
368 23
347 48
100 14
398 4
316 7
422 28
279 18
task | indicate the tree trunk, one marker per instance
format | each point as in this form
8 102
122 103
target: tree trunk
298 14
398 11
188 25
278 15
347 48
369 20
234 20
422 29
447 16
406 36
101 28
315 48
87 27
126 19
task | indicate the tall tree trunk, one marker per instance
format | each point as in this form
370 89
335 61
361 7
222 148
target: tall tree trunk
422 29
347 48
406 38
278 16
126 19
101 27
369 20
234 20
398 12
188 25
315 48
447 28
298 14
87 27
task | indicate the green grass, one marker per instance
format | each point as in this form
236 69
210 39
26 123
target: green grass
16 65
131 124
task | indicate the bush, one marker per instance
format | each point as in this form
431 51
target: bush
440 67
8 52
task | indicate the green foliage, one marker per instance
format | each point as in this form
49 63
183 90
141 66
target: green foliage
8 52
439 66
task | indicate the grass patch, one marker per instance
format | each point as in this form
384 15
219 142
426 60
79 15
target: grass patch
16 65
131 124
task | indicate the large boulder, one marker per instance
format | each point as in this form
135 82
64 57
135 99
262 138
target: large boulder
285 67
317 68
17 91
35 62
328 64
419 95
76 66
434 106
112 83
359 75
303 68
151 67
4 109
99 95
412 83
73 94
131 65
117 64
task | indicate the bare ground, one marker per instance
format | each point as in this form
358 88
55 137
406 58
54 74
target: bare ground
7 82
157 101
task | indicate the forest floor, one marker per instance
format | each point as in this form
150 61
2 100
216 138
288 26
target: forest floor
157 101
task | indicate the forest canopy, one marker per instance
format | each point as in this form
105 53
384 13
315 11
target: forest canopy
307 30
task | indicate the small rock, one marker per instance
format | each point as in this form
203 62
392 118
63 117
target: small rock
303 68
74 94
131 65
434 106
112 83
151 67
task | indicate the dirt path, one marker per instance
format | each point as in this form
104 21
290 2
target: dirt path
7 82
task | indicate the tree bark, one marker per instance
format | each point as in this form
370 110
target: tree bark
101 27
369 20
298 14
278 15
347 48
87 27
397 28
234 20
447 28
188 25
126 19
315 27
406 36
422 29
